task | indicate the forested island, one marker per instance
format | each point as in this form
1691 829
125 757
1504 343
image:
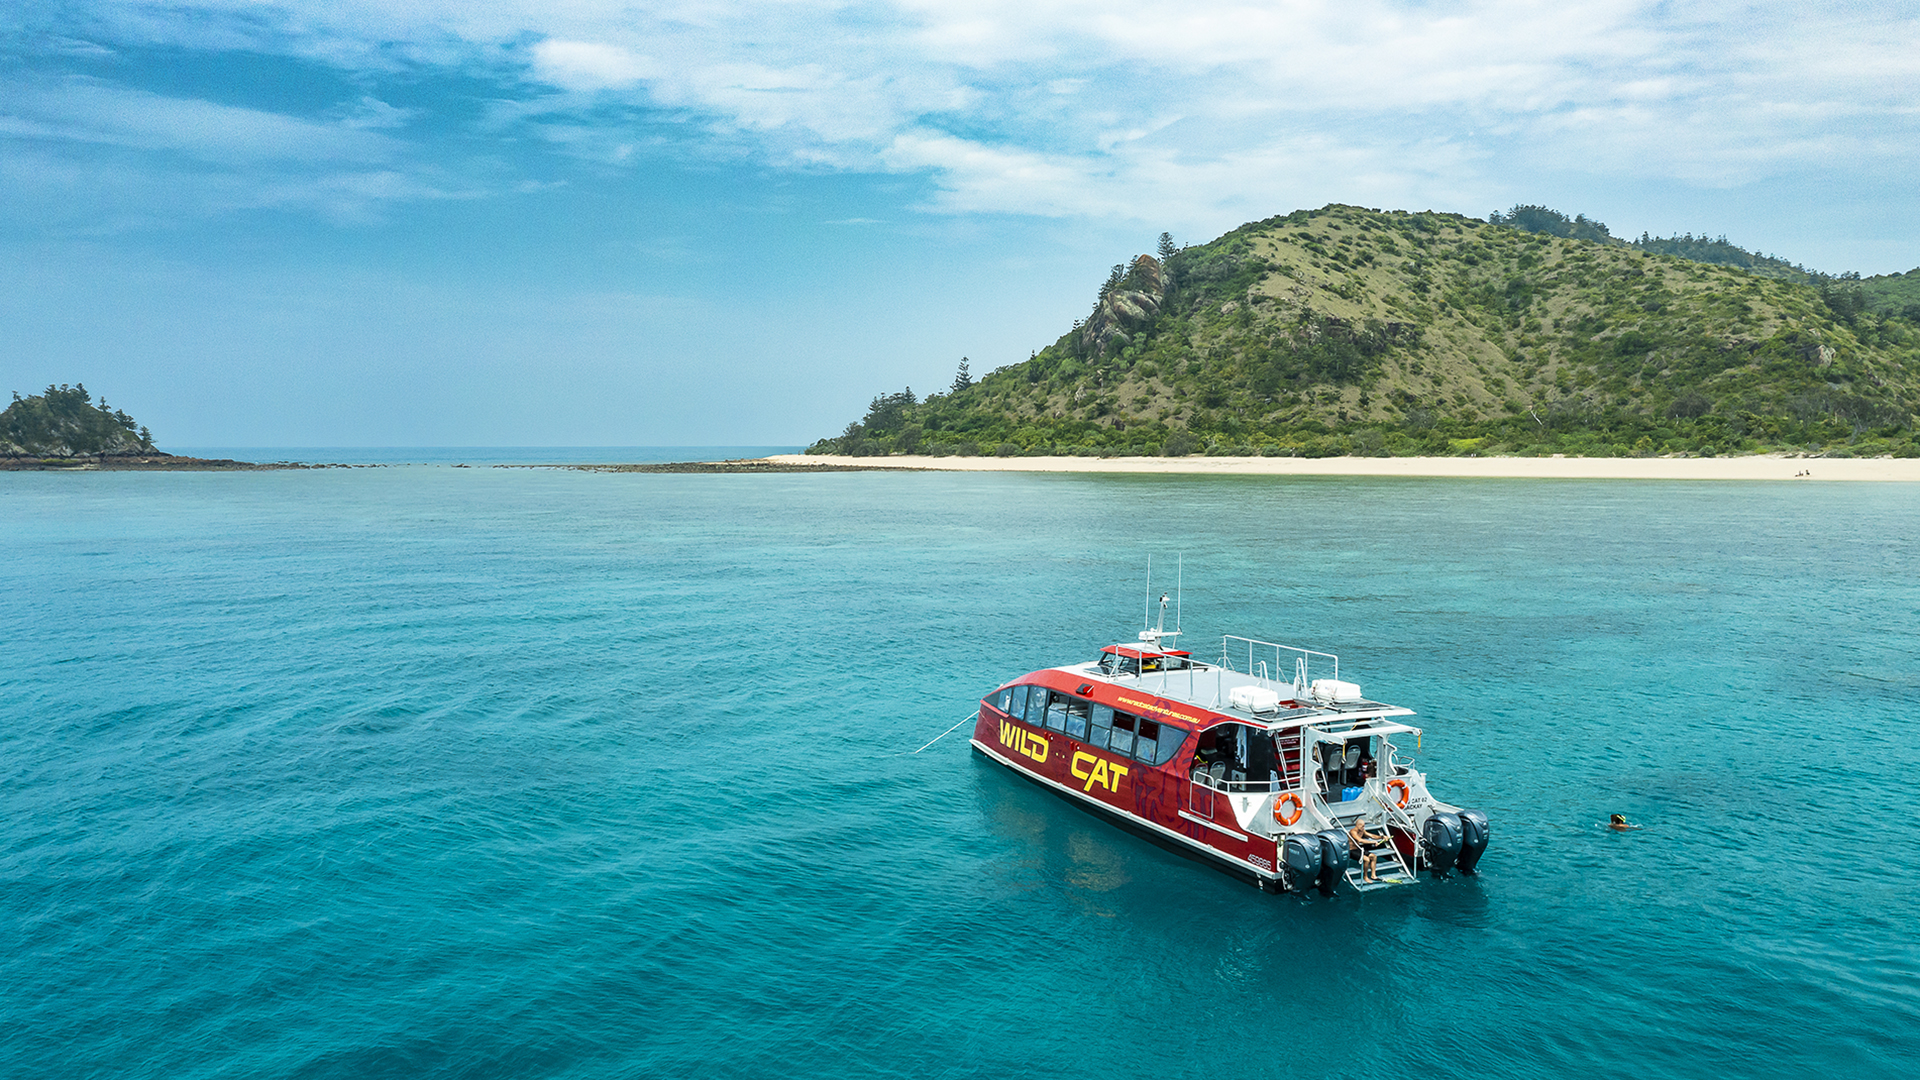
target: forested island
64 428
64 421
1346 330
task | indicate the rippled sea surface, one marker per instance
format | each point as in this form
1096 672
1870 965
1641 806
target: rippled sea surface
428 772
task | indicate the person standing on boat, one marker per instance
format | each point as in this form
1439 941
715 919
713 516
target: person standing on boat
1360 844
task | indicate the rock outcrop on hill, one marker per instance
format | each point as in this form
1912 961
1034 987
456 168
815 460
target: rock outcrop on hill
1126 308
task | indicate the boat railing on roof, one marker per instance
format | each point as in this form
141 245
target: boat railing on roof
1191 674
1265 660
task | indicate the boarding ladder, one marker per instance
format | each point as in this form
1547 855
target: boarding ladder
1389 866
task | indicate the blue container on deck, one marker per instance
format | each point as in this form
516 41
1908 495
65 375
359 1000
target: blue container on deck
1348 794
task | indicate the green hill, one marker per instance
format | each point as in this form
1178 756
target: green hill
64 422
1351 331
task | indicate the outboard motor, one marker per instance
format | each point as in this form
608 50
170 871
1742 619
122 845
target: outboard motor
1333 859
1442 836
1473 839
1301 856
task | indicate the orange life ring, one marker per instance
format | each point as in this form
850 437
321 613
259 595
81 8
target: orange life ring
1404 791
1289 797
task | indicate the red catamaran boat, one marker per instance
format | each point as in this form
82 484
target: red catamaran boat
1293 785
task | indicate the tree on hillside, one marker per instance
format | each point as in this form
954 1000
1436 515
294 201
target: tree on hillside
1719 252
1529 217
885 413
1167 248
1844 299
962 380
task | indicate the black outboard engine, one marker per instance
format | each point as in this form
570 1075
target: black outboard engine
1333 859
1301 856
1473 839
1442 836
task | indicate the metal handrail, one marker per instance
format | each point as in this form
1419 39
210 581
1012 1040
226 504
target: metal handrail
1166 677
1302 661
1243 786
1393 759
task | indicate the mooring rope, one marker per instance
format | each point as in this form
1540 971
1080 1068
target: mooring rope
945 733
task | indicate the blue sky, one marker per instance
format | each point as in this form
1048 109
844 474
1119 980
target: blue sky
588 223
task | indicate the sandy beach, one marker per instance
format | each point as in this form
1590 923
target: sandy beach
1756 467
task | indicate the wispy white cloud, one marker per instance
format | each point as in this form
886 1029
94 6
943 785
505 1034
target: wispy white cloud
97 158
1129 108
86 110
589 65
67 46
371 112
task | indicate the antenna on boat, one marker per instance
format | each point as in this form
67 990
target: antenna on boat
1157 634
1179 588
1146 613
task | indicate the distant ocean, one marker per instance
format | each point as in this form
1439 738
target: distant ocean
479 455
425 772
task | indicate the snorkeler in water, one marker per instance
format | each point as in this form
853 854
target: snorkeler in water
1619 823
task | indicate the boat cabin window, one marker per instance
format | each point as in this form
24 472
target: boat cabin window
1057 712
1156 744
1098 726
1077 709
1037 706
1131 736
1172 739
1014 703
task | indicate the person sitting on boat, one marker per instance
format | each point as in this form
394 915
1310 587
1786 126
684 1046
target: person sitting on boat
1360 845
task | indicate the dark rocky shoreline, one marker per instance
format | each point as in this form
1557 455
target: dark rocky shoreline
144 463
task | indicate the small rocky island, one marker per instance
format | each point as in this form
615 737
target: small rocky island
63 428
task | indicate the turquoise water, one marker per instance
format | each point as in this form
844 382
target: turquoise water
477 455
422 772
